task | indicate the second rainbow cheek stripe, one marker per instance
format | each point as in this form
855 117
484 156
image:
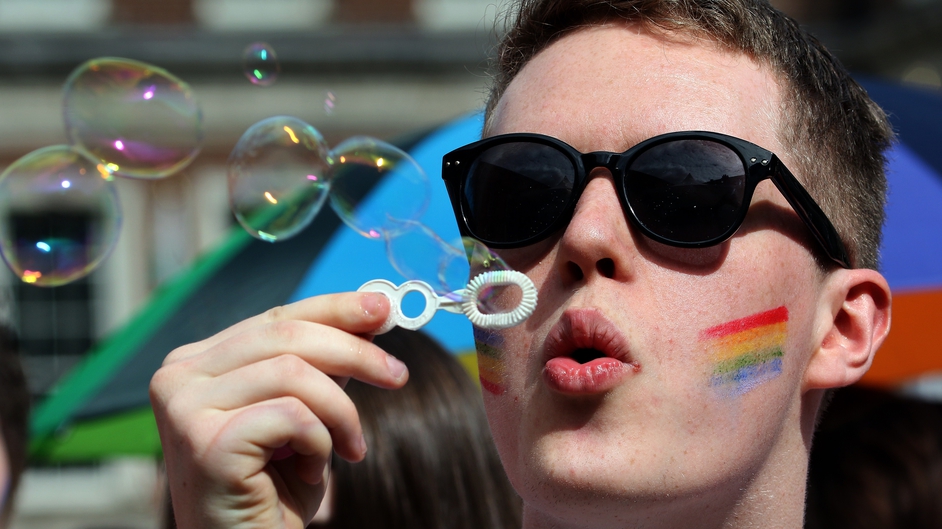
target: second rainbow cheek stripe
491 368
748 351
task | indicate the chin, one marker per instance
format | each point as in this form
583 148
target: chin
580 491
600 471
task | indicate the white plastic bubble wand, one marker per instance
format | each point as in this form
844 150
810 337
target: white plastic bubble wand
465 301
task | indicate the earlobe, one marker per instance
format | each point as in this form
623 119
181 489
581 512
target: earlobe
855 312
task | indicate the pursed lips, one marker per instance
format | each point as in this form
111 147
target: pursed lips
585 353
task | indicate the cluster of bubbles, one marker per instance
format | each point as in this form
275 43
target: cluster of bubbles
59 210
282 172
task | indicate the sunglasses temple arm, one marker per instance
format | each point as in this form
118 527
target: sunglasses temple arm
810 213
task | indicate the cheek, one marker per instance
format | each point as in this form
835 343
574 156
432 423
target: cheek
745 353
503 358
735 331
492 365
503 417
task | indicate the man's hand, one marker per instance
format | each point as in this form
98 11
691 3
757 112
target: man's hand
248 417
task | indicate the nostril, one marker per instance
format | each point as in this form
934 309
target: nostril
606 267
575 271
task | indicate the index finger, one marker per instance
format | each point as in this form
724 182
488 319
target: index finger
352 312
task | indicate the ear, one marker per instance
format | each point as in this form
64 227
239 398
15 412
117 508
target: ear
854 311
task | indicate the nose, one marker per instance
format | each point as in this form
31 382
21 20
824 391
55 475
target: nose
598 241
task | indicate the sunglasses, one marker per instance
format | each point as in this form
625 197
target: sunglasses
684 189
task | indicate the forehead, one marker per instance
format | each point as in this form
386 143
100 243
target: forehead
609 87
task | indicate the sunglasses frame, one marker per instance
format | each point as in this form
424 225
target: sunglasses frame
759 164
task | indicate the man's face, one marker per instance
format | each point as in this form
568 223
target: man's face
700 393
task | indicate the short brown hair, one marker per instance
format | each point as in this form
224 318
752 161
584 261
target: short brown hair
832 128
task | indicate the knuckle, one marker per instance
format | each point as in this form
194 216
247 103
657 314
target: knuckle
175 418
300 413
275 314
180 352
284 330
175 409
164 384
159 383
291 366
178 399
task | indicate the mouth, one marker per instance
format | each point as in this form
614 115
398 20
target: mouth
586 354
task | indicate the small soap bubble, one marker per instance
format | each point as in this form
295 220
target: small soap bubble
418 253
402 190
137 119
59 215
260 64
494 299
330 103
278 177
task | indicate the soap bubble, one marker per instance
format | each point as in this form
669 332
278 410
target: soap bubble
402 190
330 103
260 64
137 119
278 177
418 253
495 299
59 215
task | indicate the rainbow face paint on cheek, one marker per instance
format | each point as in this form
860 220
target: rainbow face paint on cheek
491 367
748 351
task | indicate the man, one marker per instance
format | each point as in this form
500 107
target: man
691 317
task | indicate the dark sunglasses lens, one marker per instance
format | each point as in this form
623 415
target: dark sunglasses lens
514 191
688 191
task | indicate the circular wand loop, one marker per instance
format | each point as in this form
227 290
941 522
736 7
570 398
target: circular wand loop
464 301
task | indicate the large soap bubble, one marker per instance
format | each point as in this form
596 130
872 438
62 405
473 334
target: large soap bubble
358 163
59 215
137 119
278 177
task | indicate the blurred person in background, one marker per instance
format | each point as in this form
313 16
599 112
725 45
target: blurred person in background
876 463
433 464
14 416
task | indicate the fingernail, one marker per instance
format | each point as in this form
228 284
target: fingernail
362 443
396 367
372 303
